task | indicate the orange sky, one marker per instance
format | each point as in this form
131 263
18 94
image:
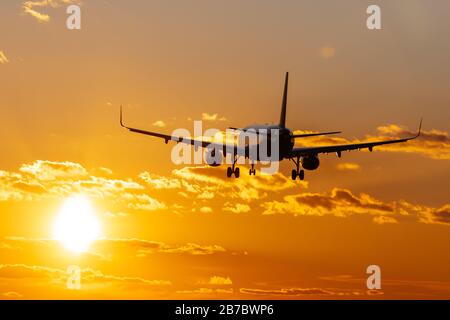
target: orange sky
171 231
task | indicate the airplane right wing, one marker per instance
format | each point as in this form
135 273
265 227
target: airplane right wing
308 151
303 135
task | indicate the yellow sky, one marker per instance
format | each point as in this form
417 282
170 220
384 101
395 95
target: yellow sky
171 231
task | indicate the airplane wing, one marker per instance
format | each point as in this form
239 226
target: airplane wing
307 151
314 134
225 148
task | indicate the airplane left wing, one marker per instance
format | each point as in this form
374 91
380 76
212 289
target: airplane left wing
307 151
225 148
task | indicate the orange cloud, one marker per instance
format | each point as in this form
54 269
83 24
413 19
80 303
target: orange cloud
59 277
29 7
12 295
339 202
51 170
3 58
247 188
343 203
212 117
206 291
159 124
104 248
46 179
42 179
304 292
236 208
221 281
205 209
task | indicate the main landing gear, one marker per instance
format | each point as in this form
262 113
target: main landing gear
297 173
233 170
252 170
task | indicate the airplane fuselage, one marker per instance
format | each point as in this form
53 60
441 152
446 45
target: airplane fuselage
271 134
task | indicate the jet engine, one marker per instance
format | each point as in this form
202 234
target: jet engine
310 162
213 157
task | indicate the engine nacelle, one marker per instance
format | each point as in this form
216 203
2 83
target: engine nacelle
310 163
213 157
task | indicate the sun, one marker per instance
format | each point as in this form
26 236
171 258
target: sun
76 225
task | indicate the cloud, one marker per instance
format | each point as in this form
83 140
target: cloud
106 247
286 291
295 292
29 187
205 210
206 291
416 287
50 179
212 117
236 208
159 182
206 195
348 166
114 215
144 248
47 179
59 277
195 249
247 188
220 281
340 202
29 7
384 220
12 294
142 202
3 58
343 203
433 215
159 124
434 144
51 170
102 171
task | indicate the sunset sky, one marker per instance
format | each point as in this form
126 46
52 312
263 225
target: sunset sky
171 231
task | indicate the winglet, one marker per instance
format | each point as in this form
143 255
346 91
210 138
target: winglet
420 128
418 131
121 118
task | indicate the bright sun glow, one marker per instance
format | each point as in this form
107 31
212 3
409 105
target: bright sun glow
76 225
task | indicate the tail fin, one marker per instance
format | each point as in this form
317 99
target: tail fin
284 103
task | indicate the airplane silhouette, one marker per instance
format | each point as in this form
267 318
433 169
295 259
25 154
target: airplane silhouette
307 157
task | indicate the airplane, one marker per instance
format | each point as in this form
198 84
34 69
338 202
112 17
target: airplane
306 157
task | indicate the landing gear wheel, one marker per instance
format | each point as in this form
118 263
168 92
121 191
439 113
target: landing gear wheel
302 174
254 172
236 172
229 172
294 174
250 172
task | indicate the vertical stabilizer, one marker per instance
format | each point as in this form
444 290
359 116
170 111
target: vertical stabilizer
284 103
